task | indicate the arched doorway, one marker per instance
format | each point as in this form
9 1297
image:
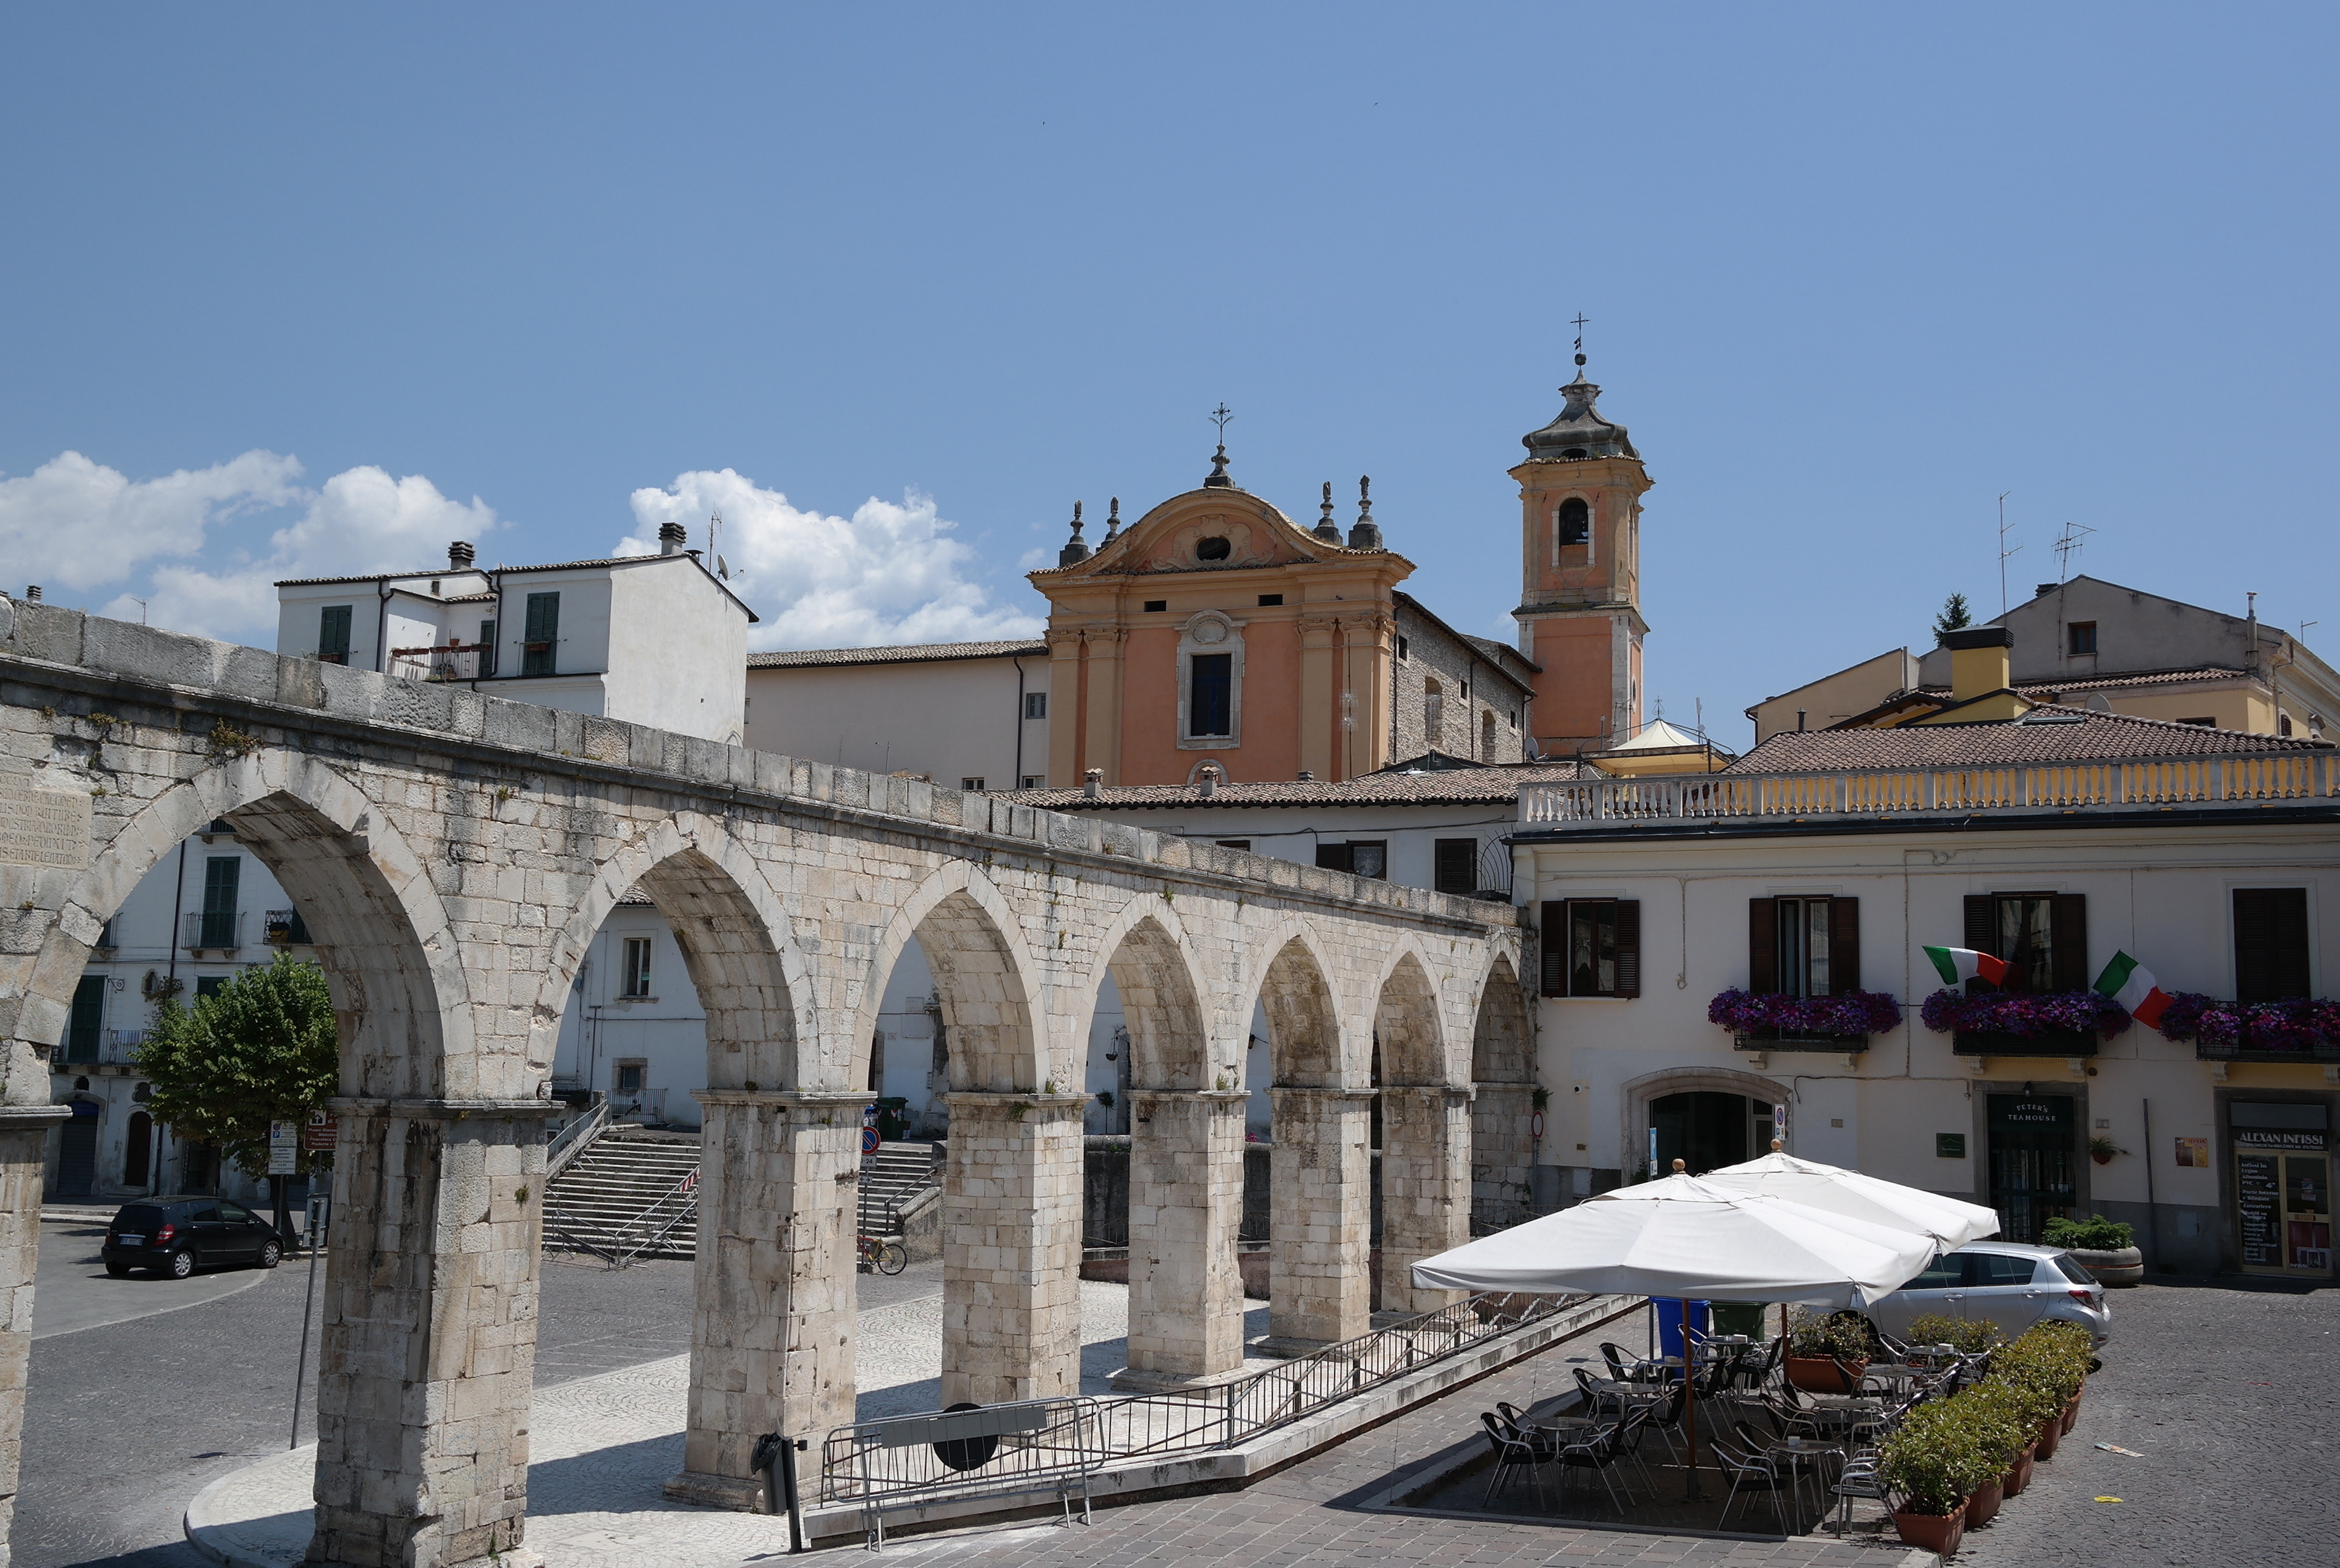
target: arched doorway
1707 1129
137 1150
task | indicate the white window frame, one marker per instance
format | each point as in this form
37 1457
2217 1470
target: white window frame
634 983
1232 643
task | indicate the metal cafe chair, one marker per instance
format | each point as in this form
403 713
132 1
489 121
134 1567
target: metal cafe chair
1749 1469
1598 1454
1514 1453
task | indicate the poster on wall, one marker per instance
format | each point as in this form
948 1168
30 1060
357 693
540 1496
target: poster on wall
2258 1201
2195 1153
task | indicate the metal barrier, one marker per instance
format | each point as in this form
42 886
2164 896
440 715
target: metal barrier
1032 1447
872 1461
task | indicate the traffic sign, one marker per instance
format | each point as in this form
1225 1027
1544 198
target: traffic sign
283 1147
324 1129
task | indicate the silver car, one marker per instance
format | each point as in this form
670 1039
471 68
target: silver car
2011 1283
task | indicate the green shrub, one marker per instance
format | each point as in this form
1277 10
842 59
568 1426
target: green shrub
1941 1454
1968 1335
2052 1357
2094 1234
1843 1334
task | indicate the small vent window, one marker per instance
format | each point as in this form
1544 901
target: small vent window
1576 520
1214 548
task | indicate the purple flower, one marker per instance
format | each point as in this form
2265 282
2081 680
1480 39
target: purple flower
2027 1014
2297 1024
1840 1016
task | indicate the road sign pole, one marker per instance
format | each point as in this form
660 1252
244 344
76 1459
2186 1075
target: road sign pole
321 1210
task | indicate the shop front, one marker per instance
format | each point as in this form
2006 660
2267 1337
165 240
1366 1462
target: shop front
2280 1184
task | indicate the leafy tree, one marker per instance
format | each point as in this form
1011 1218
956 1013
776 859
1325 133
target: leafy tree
1954 617
262 1049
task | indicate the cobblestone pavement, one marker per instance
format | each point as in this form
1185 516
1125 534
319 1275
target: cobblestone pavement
2231 1395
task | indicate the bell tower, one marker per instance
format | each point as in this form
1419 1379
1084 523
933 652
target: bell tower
1580 610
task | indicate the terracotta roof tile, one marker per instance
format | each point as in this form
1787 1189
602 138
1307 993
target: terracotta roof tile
907 653
2052 732
1395 787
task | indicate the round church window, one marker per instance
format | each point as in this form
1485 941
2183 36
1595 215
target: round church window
1214 548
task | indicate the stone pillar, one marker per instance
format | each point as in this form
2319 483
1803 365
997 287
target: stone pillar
24 1146
1320 1232
1425 1187
1012 1247
425 1370
1502 1151
771 1328
1185 1204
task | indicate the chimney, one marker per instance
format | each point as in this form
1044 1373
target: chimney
2045 589
1091 782
1206 778
460 556
670 537
32 593
1979 657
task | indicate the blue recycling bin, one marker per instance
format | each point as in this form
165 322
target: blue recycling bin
1670 1324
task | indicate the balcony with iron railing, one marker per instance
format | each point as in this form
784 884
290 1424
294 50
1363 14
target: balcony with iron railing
2241 782
285 929
444 661
217 930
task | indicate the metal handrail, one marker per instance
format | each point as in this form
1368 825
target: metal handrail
573 1139
683 1195
1204 1420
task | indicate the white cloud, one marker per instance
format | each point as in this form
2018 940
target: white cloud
75 524
361 520
887 574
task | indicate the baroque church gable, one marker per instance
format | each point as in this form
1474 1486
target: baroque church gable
1200 530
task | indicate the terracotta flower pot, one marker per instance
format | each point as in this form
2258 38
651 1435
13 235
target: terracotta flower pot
1817 1373
2049 1435
1984 1505
2071 1412
2019 1474
1935 1533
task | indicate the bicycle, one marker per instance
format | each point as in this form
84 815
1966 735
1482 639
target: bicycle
888 1257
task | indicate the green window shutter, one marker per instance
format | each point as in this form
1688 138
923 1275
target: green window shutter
2270 944
2068 942
86 1022
1763 945
222 875
333 634
540 634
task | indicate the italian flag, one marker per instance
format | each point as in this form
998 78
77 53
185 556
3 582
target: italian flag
1960 964
2131 983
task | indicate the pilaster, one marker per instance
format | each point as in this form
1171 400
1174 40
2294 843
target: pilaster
1064 708
1320 1232
23 1144
1103 744
771 1334
1319 722
1186 1205
1502 1151
1012 1247
426 1366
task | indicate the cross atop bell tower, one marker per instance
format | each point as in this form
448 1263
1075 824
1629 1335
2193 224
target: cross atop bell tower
1580 610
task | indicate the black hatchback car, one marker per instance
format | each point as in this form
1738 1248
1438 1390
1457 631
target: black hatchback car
177 1235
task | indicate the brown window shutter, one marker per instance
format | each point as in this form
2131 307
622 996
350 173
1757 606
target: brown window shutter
1553 945
2069 959
1982 923
1629 946
2270 944
1763 945
1844 945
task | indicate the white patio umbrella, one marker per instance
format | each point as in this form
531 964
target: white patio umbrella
1951 1223
1686 1237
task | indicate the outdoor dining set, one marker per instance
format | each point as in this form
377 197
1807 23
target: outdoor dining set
1805 1452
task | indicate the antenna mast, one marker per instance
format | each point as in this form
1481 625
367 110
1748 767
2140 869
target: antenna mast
2068 544
2003 552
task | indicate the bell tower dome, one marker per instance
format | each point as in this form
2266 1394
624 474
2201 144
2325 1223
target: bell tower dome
1580 610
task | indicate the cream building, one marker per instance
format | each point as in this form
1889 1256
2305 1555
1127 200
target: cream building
2099 645
1824 862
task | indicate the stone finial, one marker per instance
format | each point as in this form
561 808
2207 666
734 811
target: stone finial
1326 528
1366 535
1218 479
1112 523
1681 1168
1076 549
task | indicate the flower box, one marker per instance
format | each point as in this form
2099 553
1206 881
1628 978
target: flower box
1767 1021
2300 1029
2023 1023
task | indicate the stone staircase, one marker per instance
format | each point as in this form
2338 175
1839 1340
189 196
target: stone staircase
601 1199
890 1178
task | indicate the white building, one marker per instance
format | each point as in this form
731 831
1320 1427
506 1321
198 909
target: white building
968 715
655 639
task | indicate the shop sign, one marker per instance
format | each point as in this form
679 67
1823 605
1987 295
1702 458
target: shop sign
2299 1139
2259 1200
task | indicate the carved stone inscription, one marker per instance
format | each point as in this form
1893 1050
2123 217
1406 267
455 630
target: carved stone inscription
43 827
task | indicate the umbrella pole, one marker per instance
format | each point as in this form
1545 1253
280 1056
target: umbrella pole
1689 1399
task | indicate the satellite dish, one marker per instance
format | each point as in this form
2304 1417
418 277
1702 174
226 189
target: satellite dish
722 568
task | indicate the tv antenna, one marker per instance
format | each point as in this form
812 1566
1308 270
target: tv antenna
2068 544
714 541
2003 552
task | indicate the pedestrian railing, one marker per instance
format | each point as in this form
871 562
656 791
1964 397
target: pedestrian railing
875 1464
576 1137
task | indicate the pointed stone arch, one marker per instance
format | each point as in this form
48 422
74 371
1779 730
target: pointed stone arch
1409 1022
1145 949
985 983
1503 1107
1293 981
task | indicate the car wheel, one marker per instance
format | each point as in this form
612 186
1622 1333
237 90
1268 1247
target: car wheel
271 1253
116 1270
180 1264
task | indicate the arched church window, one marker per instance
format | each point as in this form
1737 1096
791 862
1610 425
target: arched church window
1486 737
1433 711
1212 549
1575 521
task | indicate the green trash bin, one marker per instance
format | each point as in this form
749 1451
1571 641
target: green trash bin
1740 1318
892 1124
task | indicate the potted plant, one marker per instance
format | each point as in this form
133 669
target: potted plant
2106 1248
1816 1345
2050 1362
1933 1463
2102 1149
2008 1419
1967 1335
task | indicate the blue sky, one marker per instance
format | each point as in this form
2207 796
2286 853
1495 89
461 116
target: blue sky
312 288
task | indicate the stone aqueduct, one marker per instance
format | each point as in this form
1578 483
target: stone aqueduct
453 854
